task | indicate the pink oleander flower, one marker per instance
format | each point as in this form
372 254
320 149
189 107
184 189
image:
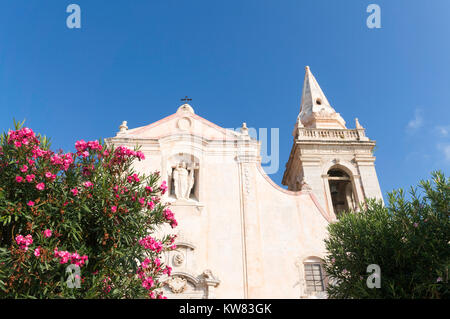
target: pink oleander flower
24 242
148 189
37 252
80 145
163 187
140 155
114 209
19 239
150 205
142 201
30 203
30 178
167 270
172 238
146 263
47 233
94 145
49 175
148 283
87 184
40 186
24 168
19 179
74 191
150 243
75 256
170 217
133 178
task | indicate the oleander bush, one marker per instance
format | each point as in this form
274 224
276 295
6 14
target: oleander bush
79 225
409 239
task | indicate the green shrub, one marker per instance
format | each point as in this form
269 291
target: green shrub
408 239
87 209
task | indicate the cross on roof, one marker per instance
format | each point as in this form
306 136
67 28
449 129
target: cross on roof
186 99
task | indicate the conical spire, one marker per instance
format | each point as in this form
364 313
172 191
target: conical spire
312 94
315 110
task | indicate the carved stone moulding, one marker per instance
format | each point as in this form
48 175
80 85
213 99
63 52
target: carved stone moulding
177 284
187 285
178 258
184 123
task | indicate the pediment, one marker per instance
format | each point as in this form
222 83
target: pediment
184 121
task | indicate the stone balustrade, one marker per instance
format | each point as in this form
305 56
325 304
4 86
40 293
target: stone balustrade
330 134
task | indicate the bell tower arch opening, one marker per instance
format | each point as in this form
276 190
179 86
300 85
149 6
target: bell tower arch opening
341 191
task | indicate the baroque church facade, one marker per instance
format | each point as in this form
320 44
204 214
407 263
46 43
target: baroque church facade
240 235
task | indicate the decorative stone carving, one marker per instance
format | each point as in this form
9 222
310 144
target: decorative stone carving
123 128
178 259
247 186
244 129
184 123
187 285
186 108
210 282
183 181
177 284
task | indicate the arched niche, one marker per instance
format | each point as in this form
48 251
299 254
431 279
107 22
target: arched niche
191 164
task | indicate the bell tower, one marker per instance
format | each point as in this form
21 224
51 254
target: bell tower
336 162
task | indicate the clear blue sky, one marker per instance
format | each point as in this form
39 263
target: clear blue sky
239 61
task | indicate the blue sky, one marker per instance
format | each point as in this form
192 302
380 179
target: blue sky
239 61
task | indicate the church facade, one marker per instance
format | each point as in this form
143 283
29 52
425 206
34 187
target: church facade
240 235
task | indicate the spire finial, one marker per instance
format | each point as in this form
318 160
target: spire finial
315 110
244 128
357 124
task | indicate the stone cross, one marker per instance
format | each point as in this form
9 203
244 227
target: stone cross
186 100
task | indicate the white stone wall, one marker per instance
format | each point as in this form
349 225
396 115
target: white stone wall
249 233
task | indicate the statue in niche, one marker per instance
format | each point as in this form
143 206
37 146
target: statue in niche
183 179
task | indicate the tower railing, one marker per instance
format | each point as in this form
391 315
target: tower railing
304 133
